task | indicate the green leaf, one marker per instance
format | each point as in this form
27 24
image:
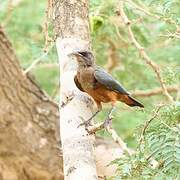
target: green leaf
96 23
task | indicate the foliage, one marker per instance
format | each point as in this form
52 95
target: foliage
158 156
153 27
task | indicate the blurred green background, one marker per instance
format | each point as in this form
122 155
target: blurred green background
24 24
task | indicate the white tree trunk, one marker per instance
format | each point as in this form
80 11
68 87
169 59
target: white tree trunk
71 27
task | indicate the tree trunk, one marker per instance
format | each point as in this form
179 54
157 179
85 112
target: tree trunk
71 26
28 147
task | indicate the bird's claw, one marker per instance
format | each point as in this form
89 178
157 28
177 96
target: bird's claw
86 123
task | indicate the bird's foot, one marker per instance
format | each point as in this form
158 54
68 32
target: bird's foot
86 123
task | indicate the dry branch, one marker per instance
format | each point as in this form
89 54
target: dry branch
172 35
117 139
38 60
155 91
11 5
141 140
141 50
146 11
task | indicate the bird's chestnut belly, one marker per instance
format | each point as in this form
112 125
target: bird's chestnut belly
102 95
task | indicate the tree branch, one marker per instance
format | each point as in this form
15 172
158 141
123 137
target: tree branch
112 132
141 50
155 91
141 140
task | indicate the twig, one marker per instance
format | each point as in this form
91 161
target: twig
155 91
112 132
172 35
118 140
36 61
141 50
120 36
11 5
95 127
49 65
147 12
141 140
170 128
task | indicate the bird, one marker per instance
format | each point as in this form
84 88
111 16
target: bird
99 84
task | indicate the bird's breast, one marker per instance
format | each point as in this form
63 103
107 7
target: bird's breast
86 78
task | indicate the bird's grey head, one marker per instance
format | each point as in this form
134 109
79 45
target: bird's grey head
84 58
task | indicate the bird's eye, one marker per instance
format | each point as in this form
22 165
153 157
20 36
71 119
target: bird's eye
84 53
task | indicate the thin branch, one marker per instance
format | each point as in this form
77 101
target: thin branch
146 11
118 140
142 137
11 5
120 36
155 91
112 132
48 65
170 128
141 50
96 127
36 61
172 35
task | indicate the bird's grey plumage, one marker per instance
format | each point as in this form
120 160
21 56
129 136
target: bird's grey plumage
108 81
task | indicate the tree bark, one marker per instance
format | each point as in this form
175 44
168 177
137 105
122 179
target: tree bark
28 121
71 26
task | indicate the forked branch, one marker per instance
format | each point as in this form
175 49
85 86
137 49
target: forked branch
141 50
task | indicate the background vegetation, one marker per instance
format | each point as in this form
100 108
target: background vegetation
156 26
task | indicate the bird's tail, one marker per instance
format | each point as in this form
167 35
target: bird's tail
130 101
134 102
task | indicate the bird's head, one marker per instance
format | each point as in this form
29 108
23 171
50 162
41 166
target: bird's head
84 58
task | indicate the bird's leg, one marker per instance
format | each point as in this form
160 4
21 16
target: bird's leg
109 117
88 122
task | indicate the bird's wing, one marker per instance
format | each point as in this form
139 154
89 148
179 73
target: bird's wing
108 81
78 84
